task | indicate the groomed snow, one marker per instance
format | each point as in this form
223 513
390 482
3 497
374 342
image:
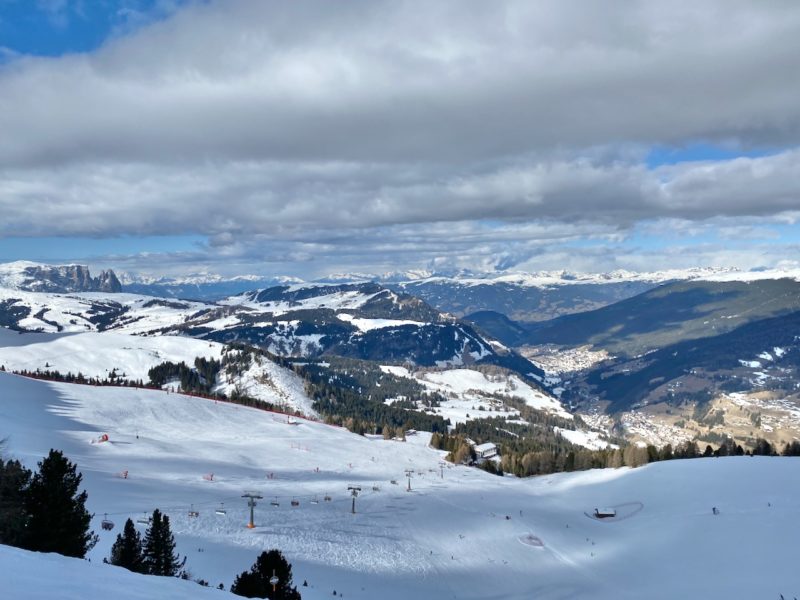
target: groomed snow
39 576
453 536
98 354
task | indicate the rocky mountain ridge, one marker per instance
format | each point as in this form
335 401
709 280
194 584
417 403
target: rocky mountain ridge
62 279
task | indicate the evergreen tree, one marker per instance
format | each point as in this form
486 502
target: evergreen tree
127 551
255 582
14 481
57 519
159 553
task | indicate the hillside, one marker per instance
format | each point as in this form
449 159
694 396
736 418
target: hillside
448 537
364 321
763 354
521 300
47 576
671 313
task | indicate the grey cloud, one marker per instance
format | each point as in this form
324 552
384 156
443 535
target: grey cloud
410 81
457 133
290 199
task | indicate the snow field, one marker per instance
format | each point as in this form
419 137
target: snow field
467 388
449 537
97 354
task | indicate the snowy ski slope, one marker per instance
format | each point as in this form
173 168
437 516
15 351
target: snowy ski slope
447 538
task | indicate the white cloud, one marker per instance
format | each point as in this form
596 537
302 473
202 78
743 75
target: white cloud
315 131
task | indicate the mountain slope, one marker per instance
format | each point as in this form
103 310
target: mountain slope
671 313
764 354
448 537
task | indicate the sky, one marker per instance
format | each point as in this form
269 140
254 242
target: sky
170 137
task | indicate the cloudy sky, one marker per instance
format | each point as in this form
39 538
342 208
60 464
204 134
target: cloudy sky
312 137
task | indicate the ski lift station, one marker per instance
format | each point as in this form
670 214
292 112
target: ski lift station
487 450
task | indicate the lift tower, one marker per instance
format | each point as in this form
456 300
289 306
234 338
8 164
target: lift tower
251 502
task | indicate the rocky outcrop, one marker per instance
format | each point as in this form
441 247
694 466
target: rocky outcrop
57 279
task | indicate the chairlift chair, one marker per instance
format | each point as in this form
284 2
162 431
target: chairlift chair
315 500
327 498
295 502
275 502
221 510
106 524
193 513
145 520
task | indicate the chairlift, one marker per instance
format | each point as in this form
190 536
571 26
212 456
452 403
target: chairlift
394 482
193 513
221 510
376 488
327 498
106 524
275 502
145 520
315 500
295 502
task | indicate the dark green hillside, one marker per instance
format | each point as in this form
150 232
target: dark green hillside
519 302
711 359
499 327
672 313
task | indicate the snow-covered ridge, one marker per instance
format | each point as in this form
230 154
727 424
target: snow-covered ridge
543 279
204 278
130 357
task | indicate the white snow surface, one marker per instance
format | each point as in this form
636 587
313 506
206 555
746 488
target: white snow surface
587 439
38 576
471 388
97 354
370 324
72 311
449 537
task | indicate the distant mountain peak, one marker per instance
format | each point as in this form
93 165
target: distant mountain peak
35 277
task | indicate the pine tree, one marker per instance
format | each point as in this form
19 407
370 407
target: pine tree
127 551
255 582
57 519
14 481
160 557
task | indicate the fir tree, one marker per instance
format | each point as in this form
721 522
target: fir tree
160 557
255 582
14 481
57 519
127 551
